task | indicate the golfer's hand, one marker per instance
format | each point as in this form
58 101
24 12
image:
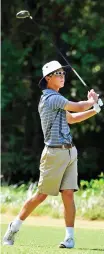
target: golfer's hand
92 95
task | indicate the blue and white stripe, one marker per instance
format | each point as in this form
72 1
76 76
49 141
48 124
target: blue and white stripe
55 128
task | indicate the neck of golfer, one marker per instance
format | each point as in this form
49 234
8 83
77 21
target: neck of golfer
53 86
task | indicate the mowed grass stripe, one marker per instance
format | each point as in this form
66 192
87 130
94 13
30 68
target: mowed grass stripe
45 240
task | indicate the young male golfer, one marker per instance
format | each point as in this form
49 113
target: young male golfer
58 164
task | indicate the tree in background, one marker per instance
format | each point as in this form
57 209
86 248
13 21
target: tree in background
77 29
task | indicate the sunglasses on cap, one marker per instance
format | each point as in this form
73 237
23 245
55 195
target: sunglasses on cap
58 73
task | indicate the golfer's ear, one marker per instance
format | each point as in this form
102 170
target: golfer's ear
47 78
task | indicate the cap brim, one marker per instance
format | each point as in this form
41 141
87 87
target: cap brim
42 83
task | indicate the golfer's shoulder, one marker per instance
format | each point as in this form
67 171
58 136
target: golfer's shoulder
57 96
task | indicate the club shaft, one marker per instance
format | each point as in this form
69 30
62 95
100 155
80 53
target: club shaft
79 77
71 66
62 56
76 73
52 42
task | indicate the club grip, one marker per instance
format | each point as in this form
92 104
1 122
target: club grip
100 102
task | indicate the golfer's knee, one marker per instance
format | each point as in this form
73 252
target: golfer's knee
68 194
41 197
37 199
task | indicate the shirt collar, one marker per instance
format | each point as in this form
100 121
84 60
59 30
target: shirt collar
49 91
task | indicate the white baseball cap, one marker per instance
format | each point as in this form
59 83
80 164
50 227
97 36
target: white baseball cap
49 68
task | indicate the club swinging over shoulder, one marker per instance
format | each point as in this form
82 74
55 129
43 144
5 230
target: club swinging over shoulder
26 14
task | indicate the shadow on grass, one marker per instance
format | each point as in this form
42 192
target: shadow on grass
49 247
97 249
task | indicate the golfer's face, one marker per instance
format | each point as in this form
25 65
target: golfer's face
58 78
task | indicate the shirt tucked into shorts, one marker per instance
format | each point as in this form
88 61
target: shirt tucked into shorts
58 167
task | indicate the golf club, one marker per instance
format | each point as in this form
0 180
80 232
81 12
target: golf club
26 14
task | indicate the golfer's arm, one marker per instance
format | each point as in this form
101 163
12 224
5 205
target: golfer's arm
79 106
79 117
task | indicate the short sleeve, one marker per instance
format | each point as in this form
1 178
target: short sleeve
57 102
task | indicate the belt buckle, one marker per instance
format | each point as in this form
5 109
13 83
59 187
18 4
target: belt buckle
63 147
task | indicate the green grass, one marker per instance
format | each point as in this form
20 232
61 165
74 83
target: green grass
89 200
45 240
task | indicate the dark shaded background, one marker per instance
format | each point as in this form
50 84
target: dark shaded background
77 27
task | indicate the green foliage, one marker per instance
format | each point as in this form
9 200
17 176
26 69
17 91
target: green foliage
96 184
13 87
89 200
77 29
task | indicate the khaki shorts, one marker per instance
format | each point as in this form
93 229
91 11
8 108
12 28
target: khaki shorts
58 170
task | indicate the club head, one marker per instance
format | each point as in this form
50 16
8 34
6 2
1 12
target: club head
23 14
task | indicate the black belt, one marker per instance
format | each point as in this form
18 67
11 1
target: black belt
64 146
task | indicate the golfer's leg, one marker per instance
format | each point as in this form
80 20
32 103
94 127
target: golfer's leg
68 185
69 214
31 204
69 207
27 208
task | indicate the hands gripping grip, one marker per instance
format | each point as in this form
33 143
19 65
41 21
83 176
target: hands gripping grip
97 108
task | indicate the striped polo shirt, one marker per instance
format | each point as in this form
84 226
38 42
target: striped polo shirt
55 128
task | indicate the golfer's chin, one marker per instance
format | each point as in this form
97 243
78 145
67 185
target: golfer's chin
62 84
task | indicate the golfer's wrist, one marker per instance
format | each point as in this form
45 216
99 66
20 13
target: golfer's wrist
100 102
97 108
